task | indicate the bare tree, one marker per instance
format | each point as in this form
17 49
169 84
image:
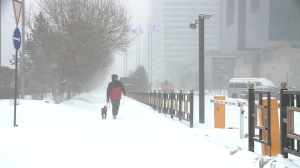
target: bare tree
85 36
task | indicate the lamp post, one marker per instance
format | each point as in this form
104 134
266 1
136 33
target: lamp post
193 26
0 45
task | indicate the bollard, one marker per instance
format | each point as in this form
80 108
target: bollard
274 149
242 111
219 113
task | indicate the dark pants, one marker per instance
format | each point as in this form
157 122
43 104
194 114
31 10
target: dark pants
115 106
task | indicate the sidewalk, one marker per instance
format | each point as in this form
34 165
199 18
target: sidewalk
73 134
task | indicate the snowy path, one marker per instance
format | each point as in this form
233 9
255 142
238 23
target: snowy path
74 135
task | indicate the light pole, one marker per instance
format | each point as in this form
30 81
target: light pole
193 26
0 45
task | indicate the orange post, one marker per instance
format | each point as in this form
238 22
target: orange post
219 113
275 133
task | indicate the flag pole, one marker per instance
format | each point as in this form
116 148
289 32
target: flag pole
148 54
139 44
126 56
136 52
151 52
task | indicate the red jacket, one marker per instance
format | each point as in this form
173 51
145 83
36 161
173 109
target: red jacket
115 89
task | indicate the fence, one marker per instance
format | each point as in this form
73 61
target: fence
252 118
180 105
287 110
289 104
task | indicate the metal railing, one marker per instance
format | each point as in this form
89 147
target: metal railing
180 105
287 131
252 118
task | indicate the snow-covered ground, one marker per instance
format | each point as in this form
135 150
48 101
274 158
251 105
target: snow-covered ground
73 134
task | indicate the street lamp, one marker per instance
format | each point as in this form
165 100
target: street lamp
0 45
193 26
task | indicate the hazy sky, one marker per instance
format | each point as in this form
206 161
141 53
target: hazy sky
140 10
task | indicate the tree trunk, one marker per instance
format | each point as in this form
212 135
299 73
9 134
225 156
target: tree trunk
60 97
69 96
53 91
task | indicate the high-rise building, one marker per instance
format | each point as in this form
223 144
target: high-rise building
265 38
174 44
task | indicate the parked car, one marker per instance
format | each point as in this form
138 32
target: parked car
275 92
237 85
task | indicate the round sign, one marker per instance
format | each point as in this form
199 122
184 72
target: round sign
17 39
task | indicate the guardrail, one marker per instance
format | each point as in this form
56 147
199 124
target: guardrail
180 105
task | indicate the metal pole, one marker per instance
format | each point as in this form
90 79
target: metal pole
180 105
241 122
269 121
201 71
287 80
0 44
151 56
191 109
139 45
16 87
251 129
284 102
23 52
126 53
136 61
124 64
148 55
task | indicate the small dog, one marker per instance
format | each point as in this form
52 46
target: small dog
104 112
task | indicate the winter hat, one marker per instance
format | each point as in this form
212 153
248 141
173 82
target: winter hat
113 76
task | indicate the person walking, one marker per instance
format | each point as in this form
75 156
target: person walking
114 92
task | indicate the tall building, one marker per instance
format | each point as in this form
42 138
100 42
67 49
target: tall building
265 37
219 69
174 44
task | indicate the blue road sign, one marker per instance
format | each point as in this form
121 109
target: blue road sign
17 39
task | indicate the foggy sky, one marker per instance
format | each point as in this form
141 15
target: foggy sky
141 12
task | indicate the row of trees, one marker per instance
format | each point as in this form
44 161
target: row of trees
71 43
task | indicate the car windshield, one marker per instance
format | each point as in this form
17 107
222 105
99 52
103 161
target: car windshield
274 88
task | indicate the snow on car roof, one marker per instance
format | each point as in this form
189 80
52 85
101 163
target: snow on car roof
243 79
264 81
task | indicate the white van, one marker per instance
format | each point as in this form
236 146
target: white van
237 85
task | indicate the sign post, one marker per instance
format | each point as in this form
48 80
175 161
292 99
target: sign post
17 44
